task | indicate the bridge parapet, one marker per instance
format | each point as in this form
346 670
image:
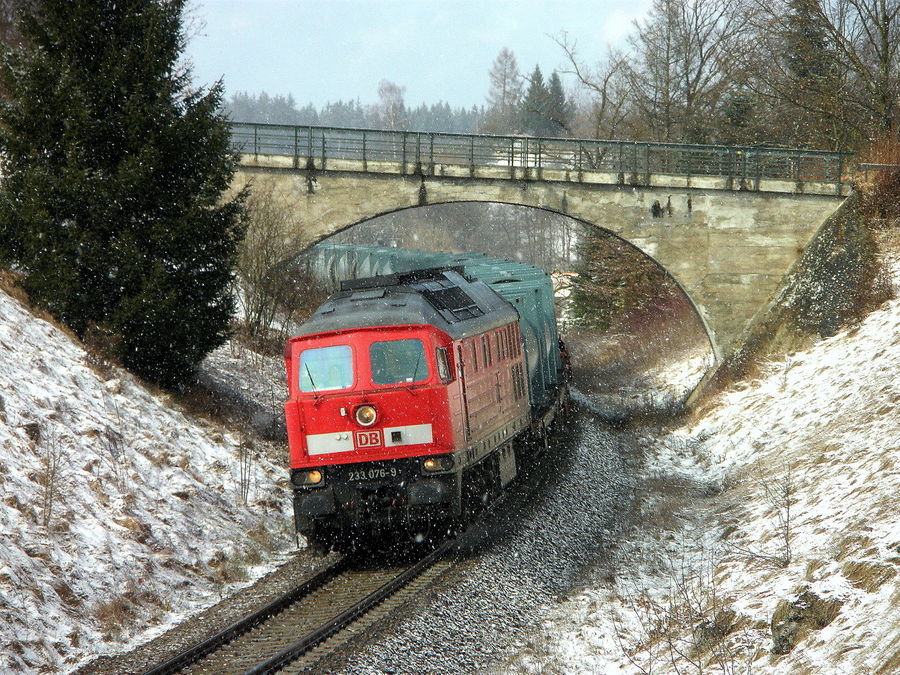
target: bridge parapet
544 159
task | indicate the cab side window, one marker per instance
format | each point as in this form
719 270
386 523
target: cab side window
443 365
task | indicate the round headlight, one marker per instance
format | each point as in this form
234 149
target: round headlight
442 463
301 478
366 415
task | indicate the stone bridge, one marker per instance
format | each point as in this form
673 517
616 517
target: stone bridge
725 223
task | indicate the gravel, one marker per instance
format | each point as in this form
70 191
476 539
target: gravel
559 524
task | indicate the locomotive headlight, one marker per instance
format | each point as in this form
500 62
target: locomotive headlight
432 464
366 415
302 478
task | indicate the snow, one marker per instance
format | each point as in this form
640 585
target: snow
147 522
789 482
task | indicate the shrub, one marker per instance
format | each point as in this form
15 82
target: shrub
881 187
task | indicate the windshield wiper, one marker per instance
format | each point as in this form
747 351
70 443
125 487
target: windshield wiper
313 383
415 372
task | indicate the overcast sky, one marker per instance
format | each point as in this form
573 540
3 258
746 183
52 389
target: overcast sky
439 50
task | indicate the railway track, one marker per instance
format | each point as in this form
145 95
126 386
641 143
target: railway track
294 632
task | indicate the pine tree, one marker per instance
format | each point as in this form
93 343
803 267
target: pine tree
562 111
114 168
536 106
740 121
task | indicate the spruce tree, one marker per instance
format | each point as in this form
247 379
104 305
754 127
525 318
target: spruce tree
536 106
561 109
114 169
812 72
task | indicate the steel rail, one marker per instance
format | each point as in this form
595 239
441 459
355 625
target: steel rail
323 632
238 628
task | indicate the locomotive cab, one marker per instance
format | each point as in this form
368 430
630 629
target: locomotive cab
362 394
369 424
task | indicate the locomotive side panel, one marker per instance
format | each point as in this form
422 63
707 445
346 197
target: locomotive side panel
494 401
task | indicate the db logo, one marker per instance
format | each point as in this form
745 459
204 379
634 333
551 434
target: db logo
368 439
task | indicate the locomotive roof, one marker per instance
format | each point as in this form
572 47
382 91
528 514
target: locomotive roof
441 297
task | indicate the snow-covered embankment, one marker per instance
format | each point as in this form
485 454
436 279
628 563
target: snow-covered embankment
119 513
785 557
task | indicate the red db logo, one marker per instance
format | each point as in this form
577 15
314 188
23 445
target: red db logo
368 439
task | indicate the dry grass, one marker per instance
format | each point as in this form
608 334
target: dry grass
880 189
868 576
122 611
223 570
10 283
101 346
853 545
114 614
792 622
891 665
202 403
140 531
66 594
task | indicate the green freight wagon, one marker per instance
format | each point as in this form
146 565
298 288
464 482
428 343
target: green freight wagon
528 288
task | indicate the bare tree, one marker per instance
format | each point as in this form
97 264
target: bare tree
391 109
605 86
505 93
829 68
246 450
51 455
9 33
797 77
690 628
866 34
270 286
780 493
684 57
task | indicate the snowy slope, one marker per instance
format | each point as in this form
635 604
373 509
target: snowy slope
147 521
780 505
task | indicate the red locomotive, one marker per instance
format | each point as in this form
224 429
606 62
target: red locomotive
406 393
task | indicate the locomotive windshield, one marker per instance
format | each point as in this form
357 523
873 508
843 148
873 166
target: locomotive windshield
326 368
398 361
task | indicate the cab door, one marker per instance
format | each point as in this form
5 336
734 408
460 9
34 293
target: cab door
464 408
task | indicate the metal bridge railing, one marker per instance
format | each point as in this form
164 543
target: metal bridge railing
313 146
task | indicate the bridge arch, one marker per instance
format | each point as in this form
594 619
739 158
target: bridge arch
726 249
697 310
